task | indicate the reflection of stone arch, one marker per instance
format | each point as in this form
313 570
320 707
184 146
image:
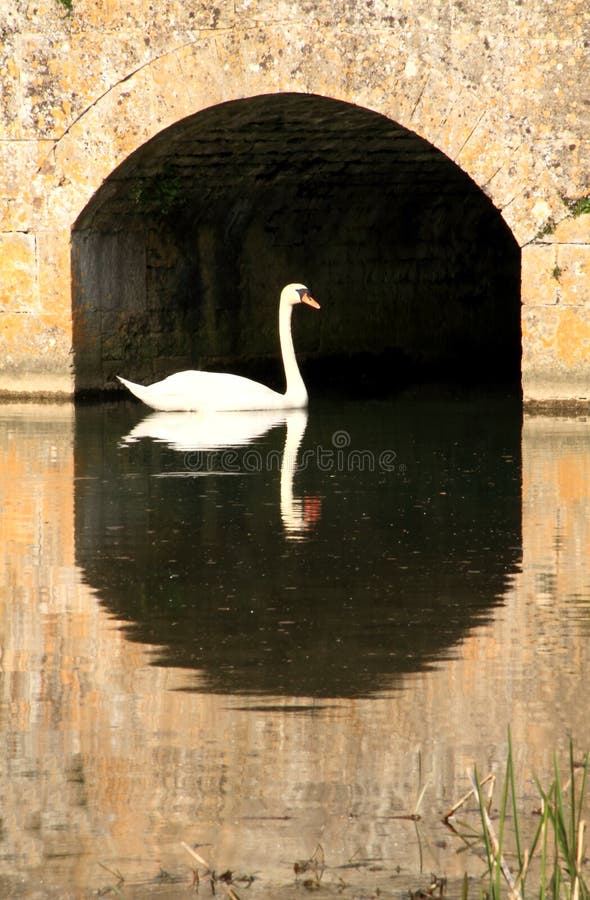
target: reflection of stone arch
422 612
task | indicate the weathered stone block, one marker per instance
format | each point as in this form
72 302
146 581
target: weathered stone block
18 269
53 250
22 204
573 230
34 352
573 273
556 350
539 286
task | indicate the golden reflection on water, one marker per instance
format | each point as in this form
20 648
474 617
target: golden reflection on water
105 763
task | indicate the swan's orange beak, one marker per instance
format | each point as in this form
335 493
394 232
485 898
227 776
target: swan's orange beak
306 298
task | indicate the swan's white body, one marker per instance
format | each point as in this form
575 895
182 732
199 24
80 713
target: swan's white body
195 391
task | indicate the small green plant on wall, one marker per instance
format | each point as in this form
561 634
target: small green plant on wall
158 194
576 207
68 5
579 207
548 228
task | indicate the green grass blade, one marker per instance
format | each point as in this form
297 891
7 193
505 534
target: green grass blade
502 821
538 833
510 776
556 883
582 791
573 830
543 830
560 821
464 887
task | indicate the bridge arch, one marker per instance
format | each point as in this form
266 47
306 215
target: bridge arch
483 88
464 124
380 175
179 257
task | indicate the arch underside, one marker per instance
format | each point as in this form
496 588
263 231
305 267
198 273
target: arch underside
179 257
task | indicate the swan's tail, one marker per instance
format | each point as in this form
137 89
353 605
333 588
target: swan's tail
138 390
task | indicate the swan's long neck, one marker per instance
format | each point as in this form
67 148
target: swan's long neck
296 392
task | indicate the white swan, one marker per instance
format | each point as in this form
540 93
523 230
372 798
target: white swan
192 391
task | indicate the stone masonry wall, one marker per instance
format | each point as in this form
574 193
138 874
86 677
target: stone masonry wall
501 89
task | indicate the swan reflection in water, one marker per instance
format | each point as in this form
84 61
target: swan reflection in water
203 435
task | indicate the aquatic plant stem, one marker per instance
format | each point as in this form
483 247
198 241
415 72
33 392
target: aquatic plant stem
562 858
510 777
495 857
491 777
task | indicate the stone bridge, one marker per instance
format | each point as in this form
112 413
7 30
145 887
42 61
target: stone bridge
423 164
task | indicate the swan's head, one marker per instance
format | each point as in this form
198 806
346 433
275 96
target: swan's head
297 293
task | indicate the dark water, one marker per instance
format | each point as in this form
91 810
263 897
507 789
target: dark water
257 635
410 523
